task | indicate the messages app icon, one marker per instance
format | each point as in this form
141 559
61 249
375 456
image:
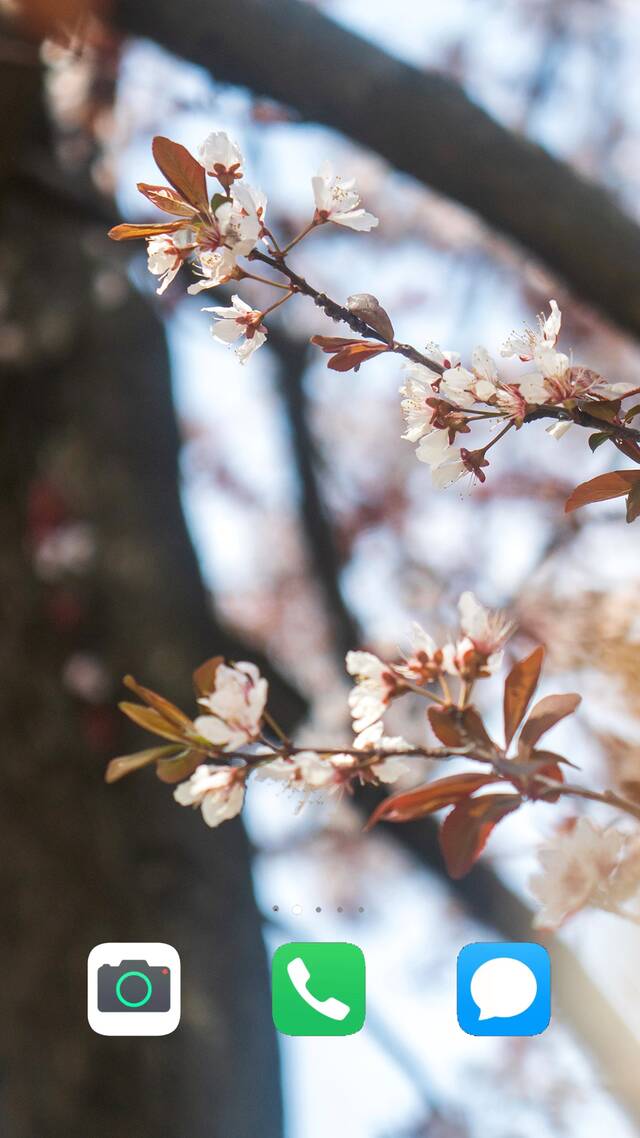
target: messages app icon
504 989
318 988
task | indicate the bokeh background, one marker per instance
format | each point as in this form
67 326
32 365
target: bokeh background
161 504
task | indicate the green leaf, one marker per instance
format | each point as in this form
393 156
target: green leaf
182 766
125 764
173 715
151 721
217 200
598 439
632 412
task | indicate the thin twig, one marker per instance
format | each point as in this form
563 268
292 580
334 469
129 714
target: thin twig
341 312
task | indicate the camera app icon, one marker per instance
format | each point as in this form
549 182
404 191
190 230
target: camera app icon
133 989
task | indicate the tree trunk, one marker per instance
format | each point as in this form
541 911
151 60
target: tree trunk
88 439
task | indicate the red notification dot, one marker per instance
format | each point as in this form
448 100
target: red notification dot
165 971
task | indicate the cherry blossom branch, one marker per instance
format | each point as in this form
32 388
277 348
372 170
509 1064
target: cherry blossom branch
340 312
604 797
216 756
583 419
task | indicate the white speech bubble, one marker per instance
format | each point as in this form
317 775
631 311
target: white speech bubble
503 987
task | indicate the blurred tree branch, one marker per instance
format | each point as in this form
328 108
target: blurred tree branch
315 520
420 121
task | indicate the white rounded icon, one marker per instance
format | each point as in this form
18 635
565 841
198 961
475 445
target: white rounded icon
503 987
133 988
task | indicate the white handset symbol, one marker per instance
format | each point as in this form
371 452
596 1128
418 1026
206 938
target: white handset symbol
299 975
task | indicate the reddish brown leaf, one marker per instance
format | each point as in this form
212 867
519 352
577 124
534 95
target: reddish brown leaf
174 716
465 831
446 727
127 232
204 677
544 715
631 788
151 721
350 359
602 489
519 687
475 733
633 503
332 344
176 769
461 728
541 765
347 355
427 799
182 171
125 764
167 199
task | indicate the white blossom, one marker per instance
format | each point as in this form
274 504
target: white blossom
337 200
374 686
444 459
485 371
165 256
241 219
558 430
238 221
239 322
488 630
220 156
389 769
235 707
306 771
216 266
463 387
444 357
416 390
458 386
479 649
580 867
424 661
218 791
390 766
531 340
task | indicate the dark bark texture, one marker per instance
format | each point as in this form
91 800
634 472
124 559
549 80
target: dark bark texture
420 121
88 437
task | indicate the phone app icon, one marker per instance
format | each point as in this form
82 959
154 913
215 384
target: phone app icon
504 989
133 988
318 988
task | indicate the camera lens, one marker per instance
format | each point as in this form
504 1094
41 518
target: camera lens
134 989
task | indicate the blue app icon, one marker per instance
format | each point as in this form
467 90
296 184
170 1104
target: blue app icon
504 989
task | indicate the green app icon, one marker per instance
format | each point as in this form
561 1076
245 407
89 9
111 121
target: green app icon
318 989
